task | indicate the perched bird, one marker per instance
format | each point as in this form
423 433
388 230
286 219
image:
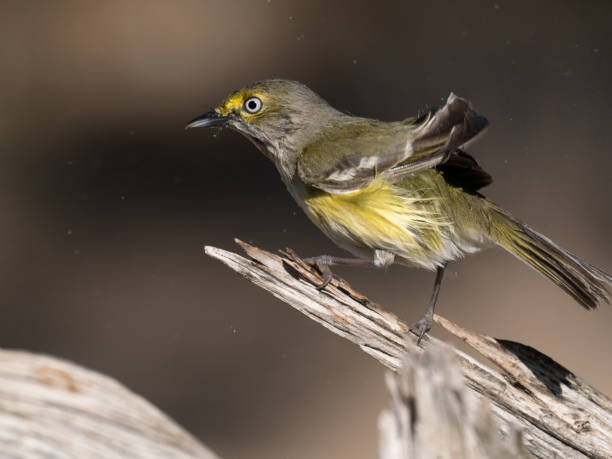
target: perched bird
388 192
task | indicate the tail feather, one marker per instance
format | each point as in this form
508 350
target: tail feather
586 283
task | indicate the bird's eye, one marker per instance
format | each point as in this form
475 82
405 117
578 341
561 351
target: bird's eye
253 105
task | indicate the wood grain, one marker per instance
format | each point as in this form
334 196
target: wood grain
557 413
51 408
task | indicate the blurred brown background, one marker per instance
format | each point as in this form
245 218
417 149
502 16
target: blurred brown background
107 201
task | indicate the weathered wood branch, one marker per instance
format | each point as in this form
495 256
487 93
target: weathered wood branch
557 413
433 415
53 409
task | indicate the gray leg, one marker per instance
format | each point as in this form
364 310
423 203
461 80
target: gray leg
324 262
380 259
425 323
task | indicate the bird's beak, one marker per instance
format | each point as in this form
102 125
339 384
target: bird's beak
208 119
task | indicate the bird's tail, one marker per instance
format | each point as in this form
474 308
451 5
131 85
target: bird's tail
586 283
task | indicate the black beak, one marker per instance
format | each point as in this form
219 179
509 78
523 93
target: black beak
208 119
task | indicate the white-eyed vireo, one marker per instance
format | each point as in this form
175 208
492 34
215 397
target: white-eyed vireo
389 192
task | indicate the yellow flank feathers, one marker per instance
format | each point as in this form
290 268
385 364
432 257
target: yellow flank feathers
383 216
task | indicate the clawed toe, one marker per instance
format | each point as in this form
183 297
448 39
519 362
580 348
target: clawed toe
325 271
422 326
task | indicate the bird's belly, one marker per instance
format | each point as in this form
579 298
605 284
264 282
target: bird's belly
383 216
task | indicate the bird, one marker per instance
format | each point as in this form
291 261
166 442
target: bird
401 192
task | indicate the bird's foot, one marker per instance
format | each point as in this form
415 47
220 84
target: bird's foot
322 262
422 326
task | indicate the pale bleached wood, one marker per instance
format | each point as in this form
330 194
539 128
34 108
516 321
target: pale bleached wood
558 414
51 408
434 416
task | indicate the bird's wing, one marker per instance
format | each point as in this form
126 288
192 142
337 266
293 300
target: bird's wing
353 153
360 150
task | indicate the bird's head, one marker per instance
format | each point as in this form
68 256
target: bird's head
279 116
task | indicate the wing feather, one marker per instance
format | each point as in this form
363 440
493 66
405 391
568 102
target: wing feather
354 151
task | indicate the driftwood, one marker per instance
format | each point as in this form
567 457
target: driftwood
50 408
556 413
524 405
434 416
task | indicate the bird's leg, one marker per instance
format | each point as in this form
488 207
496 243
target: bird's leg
381 259
324 262
425 323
